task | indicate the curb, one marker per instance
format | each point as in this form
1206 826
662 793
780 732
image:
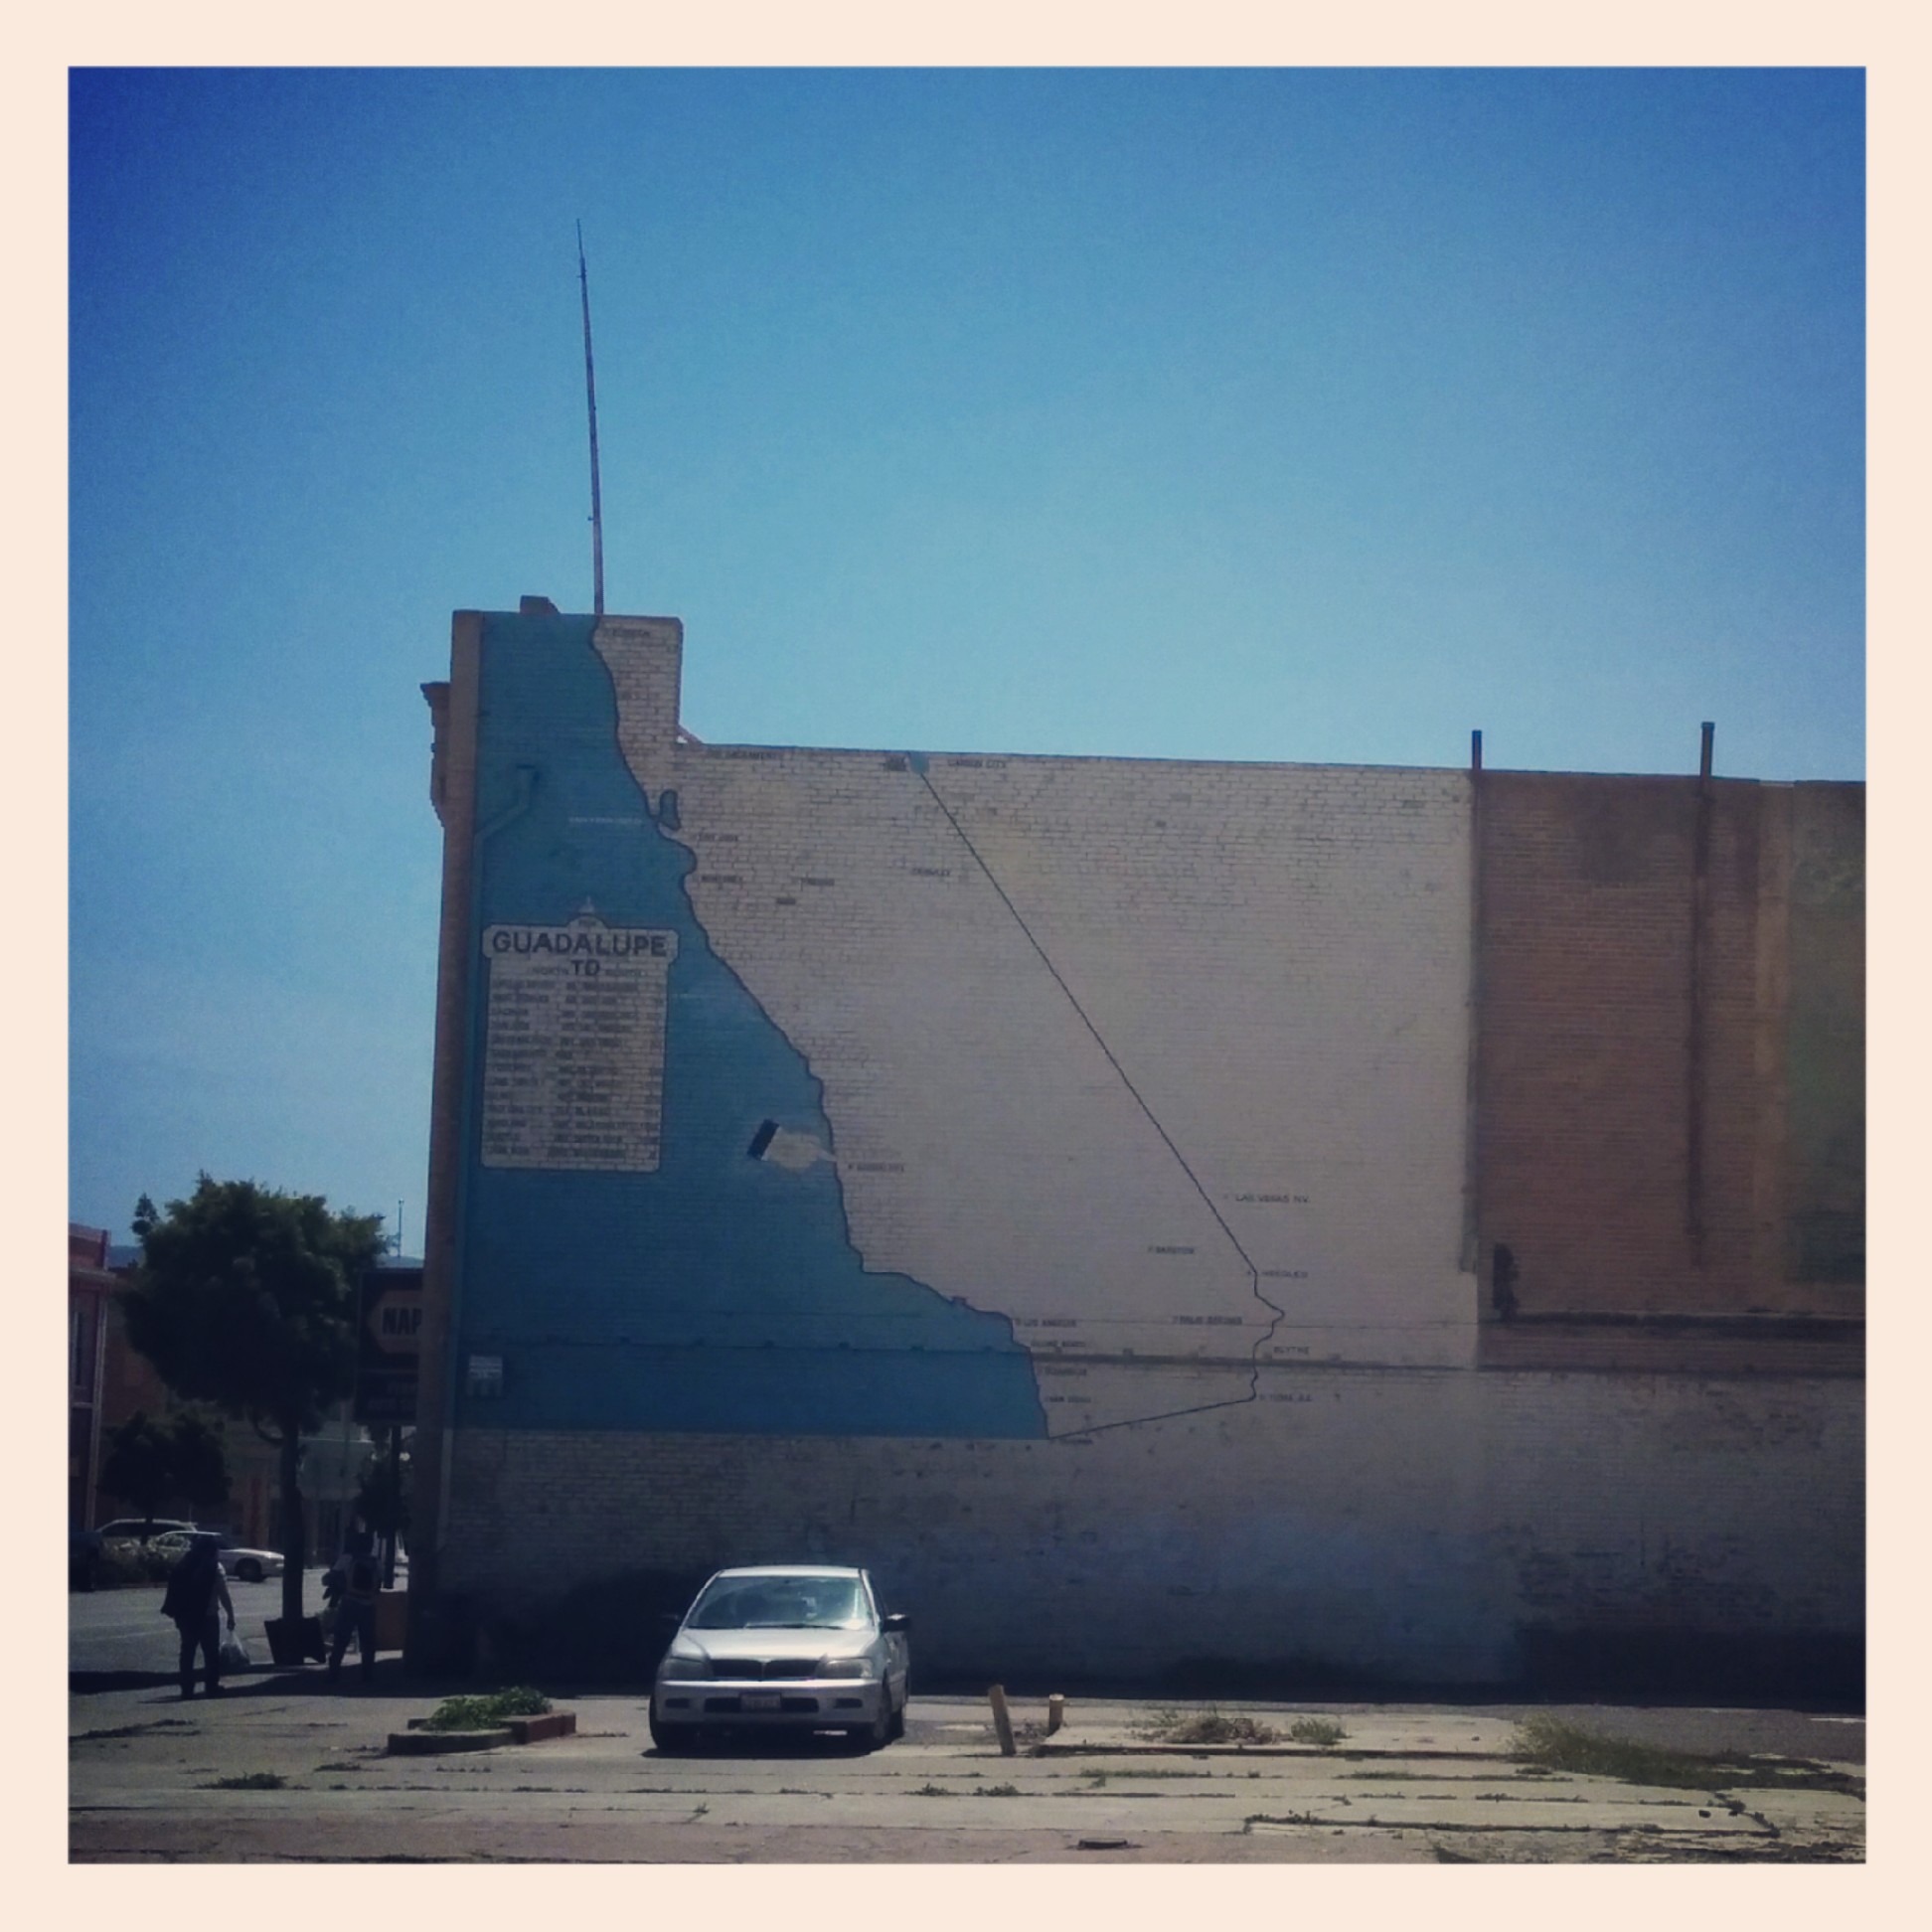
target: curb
533 1730
418 1741
428 1743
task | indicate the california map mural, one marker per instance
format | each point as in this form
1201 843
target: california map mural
883 1093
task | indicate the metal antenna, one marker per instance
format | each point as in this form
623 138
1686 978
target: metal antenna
590 390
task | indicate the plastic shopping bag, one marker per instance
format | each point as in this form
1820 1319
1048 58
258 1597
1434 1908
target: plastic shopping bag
235 1653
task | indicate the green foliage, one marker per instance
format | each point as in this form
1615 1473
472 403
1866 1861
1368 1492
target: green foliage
125 1564
138 1463
1210 1726
250 1781
246 1297
1316 1730
487 1710
150 1461
1548 1742
201 1475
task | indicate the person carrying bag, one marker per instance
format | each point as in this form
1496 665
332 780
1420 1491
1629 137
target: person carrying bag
197 1592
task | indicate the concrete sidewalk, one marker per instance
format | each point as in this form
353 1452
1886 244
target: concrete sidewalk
283 1767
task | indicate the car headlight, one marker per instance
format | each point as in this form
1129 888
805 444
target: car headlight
844 1667
674 1667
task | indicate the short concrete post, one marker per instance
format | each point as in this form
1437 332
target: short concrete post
1055 1712
1002 1722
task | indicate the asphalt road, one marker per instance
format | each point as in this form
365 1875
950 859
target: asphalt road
125 1630
285 1767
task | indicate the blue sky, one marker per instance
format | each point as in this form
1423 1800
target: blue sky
1318 415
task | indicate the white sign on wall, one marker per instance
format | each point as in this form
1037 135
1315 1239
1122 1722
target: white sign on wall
574 1058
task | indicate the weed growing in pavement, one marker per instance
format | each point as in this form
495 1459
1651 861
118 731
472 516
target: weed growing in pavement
999 1791
487 1711
1208 1726
251 1781
131 1730
1316 1730
1547 1744
932 1791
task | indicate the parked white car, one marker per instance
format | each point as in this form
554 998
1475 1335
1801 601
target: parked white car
795 1647
143 1530
249 1566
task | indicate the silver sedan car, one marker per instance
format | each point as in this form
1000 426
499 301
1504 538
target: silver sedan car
795 1647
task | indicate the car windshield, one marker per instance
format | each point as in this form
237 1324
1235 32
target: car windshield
781 1603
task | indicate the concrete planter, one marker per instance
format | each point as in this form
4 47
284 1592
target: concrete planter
420 1741
295 1645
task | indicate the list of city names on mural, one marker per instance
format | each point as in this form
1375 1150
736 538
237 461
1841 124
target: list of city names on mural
573 1063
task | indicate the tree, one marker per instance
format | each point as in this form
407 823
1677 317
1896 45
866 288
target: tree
139 1465
148 1462
200 1477
246 1297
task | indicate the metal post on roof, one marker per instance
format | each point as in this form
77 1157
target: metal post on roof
590 392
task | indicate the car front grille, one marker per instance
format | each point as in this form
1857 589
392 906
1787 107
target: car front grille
755 1670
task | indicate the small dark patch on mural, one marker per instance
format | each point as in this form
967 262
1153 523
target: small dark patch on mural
761 1139
1503 1280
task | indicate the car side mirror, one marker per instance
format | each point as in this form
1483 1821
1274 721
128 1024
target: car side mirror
897 1621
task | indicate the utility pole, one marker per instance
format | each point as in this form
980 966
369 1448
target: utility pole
590 390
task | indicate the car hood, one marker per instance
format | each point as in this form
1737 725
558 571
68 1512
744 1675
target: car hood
805 1645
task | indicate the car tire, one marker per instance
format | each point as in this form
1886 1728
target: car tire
249 1570
896 1725
875 1736
674 1741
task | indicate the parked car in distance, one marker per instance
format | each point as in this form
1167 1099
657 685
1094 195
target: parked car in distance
795 1647
142 1530
250 1565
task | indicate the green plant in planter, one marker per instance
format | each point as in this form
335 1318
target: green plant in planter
487 1710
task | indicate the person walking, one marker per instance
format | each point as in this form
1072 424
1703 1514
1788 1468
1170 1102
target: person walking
196 1595
361 1581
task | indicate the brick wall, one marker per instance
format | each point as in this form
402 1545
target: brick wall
1423 1525
1164 1070
1633 1140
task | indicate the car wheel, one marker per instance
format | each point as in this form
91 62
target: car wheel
673 1739
896 1726
249 1570
875 1736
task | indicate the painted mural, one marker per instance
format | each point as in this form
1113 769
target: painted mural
888 1093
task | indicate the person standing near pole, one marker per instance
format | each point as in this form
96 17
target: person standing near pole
197 1592
361 1580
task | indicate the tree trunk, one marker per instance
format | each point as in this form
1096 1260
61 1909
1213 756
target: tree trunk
294 1538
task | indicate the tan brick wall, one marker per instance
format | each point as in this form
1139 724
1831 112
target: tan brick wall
1400 1521
1107 1044
1588 1045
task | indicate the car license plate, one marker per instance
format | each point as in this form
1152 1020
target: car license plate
759 1700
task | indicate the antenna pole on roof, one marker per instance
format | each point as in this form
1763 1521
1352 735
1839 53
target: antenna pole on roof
590 390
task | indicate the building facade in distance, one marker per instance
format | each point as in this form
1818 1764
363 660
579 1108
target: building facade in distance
1161 1216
